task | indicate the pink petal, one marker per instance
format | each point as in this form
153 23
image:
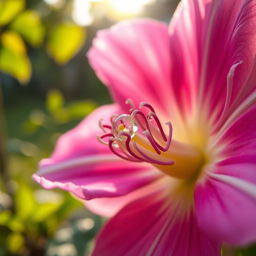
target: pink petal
226 204
81 141
83 166
238 134
132 59
213 48
242 167
152 226
108 207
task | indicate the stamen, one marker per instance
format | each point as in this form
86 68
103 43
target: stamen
140 137
131 103
104 126
142 121
127 157
135 135
149 159
152 115
146 127
127 144
152 141
145 104
112 119
128 125
100 138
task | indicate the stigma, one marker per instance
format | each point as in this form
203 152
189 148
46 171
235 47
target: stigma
139 136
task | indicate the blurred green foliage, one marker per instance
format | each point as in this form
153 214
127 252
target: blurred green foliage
9 9
27 226
28 24
70 37
249 251
17 24
34 220
13 56
13 26
77 238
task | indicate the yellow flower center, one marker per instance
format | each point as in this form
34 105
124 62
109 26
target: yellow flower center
140 137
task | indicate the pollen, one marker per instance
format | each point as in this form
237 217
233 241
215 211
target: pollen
140 137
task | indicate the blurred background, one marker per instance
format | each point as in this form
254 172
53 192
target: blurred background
46 88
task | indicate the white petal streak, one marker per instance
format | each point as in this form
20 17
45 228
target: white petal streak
236 114
230 82
78 162
246 187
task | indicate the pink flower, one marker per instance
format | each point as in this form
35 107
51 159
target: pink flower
178 173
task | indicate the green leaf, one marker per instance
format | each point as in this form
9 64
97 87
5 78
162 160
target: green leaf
13 42
13 57
36 120
43 211
25 202
9 9
80 109
54 101
4 217
29 25
16 224
11 222
15 242
65 41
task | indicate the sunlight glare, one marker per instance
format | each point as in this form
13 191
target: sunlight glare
127 6
55 3
81 13
51 1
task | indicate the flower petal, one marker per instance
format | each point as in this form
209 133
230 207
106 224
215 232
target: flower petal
237 137
213 54
152 226
226 204
108 207
88 169
81 140
132 58
242 167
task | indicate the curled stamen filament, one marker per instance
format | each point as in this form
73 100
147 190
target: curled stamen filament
101 138
138 137
131 103
104 126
